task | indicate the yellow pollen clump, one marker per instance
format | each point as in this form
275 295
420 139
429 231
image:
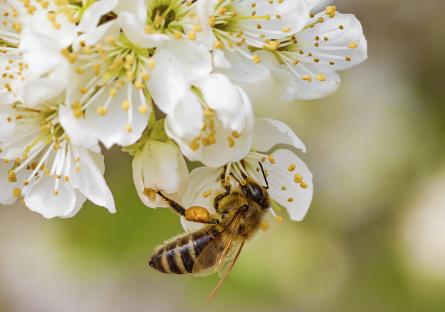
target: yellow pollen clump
77 110
102 110
150 194
12 178
197 214
353 45
143 109
207 194
125 105
321 77
272 45
331 11
231 141
256 59
129 128
17 193
298 178
286 29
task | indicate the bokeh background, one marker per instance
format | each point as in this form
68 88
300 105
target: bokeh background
374 239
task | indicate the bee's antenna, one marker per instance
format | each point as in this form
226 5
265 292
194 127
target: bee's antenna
264 175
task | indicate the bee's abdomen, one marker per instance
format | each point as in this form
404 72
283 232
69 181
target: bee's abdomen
179 256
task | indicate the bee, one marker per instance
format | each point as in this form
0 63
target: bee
217 246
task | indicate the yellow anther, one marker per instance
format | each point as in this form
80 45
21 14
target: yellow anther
12 178
298 178
143 109
321 77
102 110
331 11
150 194
125 105
264 225
17 193
353 45
256 59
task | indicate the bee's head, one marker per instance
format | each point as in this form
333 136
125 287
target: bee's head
256 193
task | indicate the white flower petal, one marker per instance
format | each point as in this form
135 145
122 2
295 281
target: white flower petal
41 43
7 123
91 17
341 43
226 99
270 132
290 15
194 59
41 198
167 86
78 129
88 178
289 179
80 201
317 5
243 69
94 35
134 29
36 90
205 9
136 7
113 127
304 81
186 120
220 61
317 88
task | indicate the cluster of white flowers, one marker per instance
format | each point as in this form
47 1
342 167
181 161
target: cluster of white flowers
162 79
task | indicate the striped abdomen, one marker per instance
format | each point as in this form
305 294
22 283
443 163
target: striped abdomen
179 255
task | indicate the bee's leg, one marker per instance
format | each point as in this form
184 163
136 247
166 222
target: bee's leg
226 184
194 214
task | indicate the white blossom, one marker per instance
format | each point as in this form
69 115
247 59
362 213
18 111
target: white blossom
40 165
305 65
289 179
112 88
235 29
31 37
158 166
211 122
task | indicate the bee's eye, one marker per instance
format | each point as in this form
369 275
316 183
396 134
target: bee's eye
254 192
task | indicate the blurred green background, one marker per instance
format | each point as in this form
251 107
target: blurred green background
374 239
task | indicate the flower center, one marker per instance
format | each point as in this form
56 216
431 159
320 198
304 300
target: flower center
233 29
111 66
207 135
44 145
162 16
168 17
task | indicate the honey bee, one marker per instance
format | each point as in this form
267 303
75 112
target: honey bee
216 247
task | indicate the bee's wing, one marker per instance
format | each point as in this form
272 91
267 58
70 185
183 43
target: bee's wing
221 254
228 266
213 256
